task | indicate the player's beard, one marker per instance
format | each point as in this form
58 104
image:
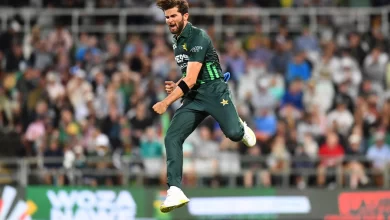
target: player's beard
177 28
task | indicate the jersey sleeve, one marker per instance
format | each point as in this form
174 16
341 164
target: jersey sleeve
198 48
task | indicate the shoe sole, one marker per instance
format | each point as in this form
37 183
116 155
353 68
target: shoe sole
170 208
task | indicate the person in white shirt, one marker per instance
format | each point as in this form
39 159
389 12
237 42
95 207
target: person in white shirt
54 88
76 86
341 118
350 73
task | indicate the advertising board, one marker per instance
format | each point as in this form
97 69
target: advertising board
13 206
85 203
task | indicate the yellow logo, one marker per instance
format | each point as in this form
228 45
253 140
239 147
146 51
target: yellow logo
224 102
185 47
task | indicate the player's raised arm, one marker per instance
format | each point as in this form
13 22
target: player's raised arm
182 88
197 53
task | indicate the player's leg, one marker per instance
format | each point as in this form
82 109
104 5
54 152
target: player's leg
221 107
183 123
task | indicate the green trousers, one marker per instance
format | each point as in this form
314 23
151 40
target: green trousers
212 98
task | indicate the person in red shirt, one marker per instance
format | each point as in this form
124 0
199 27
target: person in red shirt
331 155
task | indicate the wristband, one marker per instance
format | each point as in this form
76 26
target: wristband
184 87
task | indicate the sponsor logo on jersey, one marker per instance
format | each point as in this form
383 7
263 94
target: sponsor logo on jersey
196 49
181 58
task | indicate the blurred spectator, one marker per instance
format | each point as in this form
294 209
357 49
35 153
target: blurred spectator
354 167
310 147
140 122
298 68
308 43
375 66
319 93
40 58
8 38
379 155
356 47
205 151
52 177
150 145
342 94
60 40
262 98
30 40
55 89
14 59
377 38
294 96
265 125
331 154
151 152
235 60
111 127
282 57
305 156
328 64
260 51
340 119
350 74
256 171
279 159
309 126
160 65
75 86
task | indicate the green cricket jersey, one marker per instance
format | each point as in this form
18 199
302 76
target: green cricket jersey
194 45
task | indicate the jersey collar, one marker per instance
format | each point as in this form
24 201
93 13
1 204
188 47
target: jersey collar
185 33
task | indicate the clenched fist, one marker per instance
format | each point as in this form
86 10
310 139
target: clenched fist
169 86
160 107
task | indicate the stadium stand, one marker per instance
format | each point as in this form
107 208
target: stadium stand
78 86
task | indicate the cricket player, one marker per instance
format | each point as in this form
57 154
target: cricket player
204 93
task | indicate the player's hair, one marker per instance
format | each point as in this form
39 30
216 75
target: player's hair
182 5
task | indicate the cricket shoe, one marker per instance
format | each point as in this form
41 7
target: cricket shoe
175 199
249 138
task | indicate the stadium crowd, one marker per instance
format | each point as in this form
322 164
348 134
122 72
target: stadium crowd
323 101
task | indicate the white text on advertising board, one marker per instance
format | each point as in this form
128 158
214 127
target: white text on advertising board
88 205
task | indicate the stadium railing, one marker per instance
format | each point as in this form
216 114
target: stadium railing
20 170
358 18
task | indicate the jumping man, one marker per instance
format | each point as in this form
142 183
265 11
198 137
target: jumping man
204 93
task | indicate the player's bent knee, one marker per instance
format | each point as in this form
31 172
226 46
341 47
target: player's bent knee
235 135
172 142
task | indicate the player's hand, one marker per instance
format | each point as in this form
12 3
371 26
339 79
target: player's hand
169 86
160 107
